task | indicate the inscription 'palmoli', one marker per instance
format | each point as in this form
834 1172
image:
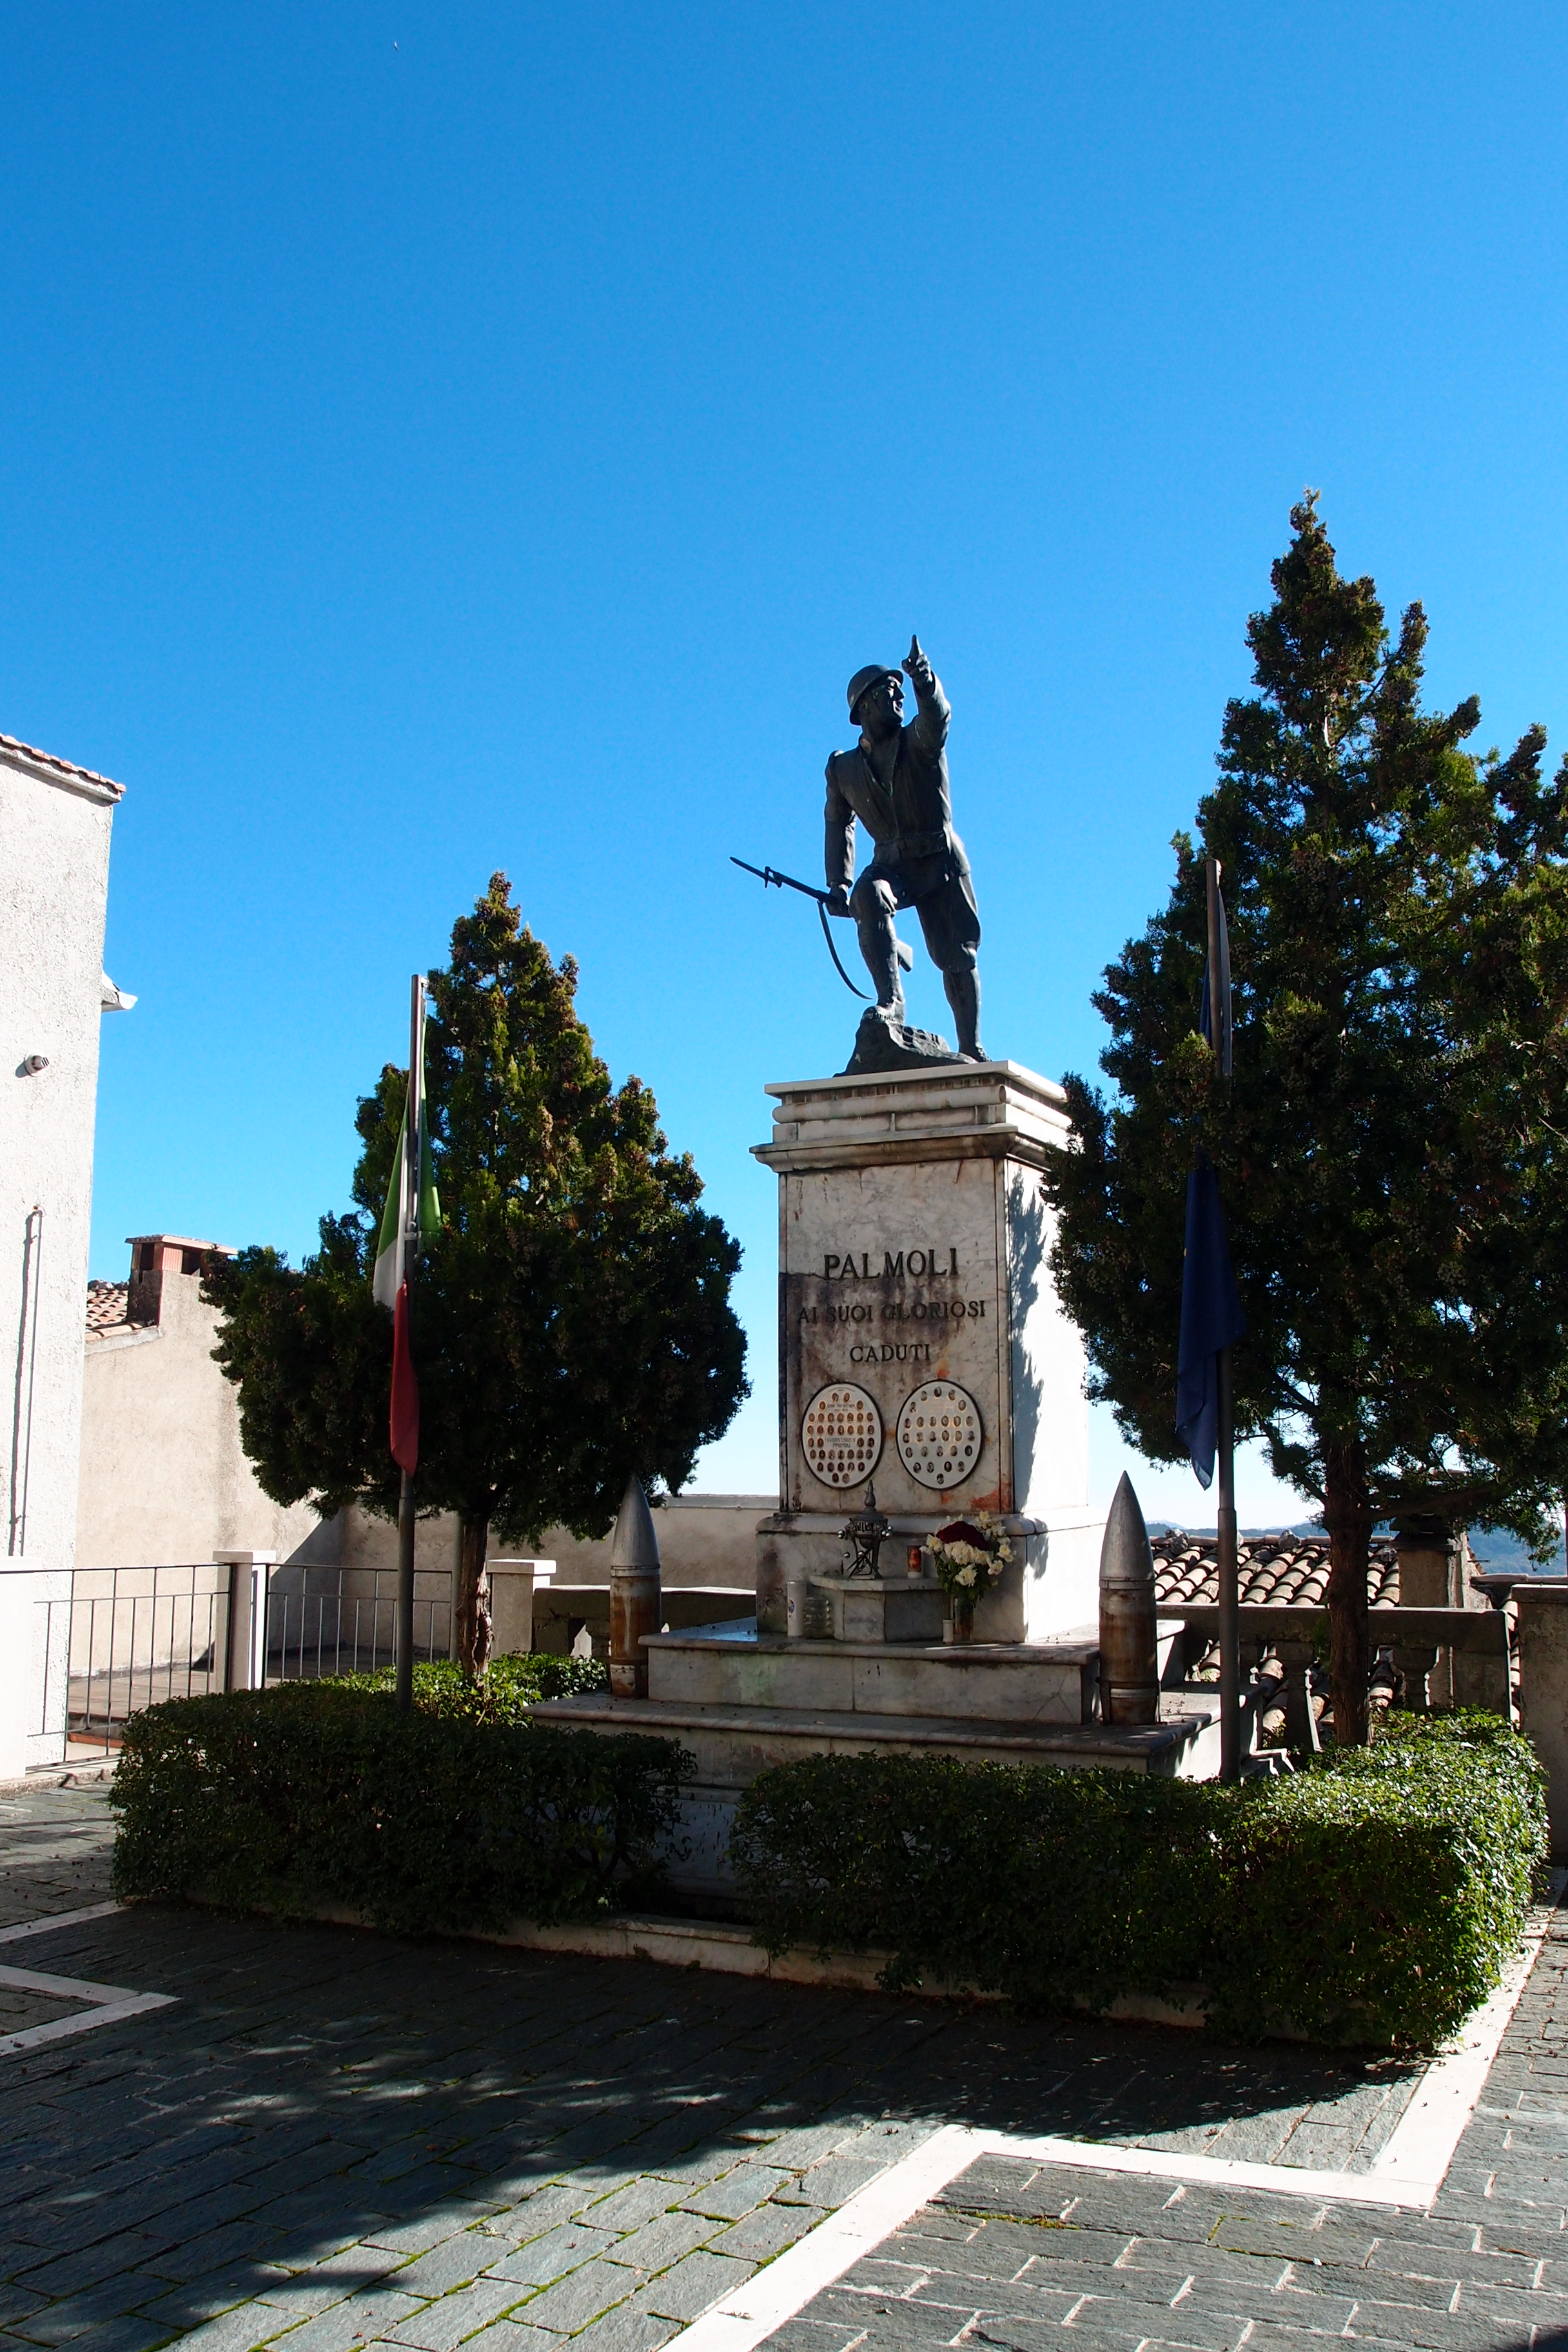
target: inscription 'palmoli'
918 1264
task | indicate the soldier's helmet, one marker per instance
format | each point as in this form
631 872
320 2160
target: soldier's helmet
870 675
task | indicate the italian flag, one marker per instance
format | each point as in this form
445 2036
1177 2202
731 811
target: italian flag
407 1223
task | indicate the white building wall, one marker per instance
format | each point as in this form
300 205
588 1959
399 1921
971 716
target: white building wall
704 1540
164 1479
54 825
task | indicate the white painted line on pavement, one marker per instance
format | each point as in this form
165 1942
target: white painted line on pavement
60 1919
740 2320
83 2021
1221 2171
1421 2146
66 1987
1407 2172
105 2004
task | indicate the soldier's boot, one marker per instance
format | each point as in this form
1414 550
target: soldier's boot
963 995
881 950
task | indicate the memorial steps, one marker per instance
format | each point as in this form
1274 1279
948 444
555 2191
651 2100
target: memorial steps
742 1703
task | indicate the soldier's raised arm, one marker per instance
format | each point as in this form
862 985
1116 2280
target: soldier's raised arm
838 846
932 711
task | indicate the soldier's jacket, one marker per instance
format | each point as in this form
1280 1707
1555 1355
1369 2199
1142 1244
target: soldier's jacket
910 818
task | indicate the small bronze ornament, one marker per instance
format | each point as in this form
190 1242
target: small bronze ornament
863 1537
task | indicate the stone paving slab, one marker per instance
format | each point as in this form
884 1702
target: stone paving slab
1022 2257
334 2138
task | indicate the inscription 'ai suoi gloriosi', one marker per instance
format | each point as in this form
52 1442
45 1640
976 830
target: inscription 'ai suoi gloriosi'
915 1310
917 1265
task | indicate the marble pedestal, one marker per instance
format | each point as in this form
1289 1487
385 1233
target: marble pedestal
913 1245
882 1608
913 1241
740 1703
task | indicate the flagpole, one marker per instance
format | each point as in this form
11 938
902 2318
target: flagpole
403 1624
1229 1582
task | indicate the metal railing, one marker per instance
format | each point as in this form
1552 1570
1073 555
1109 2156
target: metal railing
125 1638
334 1621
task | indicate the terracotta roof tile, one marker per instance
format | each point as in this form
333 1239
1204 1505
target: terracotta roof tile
1277 1568
107 1306
65 767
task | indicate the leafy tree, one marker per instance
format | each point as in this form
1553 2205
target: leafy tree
571 1324
1392 1149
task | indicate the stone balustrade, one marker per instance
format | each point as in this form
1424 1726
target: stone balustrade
1475 1642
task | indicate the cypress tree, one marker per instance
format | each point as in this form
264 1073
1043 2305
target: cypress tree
1393 1150
571 1322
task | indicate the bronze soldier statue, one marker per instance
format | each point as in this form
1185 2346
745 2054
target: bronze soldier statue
896 783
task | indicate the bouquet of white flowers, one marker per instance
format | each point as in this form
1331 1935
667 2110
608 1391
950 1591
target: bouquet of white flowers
968 1557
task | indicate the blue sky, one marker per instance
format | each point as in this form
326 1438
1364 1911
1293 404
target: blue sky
443 438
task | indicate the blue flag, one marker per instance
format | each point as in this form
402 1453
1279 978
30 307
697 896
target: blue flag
1211 1320
1222 1043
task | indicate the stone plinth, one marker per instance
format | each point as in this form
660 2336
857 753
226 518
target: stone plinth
740 1703
921 1345
731 1744
883 1609
1002 1682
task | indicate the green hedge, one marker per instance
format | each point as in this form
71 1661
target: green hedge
1374 1898
310 1794
503 1693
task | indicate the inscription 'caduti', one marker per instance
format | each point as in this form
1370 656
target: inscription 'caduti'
921 1264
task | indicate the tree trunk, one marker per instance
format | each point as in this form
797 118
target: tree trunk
471 1608
1347 1516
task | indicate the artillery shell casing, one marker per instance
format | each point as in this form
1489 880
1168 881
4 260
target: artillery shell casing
1129 1656
634 1610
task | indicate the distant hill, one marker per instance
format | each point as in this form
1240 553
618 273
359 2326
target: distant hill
1492 1547
1247 1535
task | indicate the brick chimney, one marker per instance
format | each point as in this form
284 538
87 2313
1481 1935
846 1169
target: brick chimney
155 1255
